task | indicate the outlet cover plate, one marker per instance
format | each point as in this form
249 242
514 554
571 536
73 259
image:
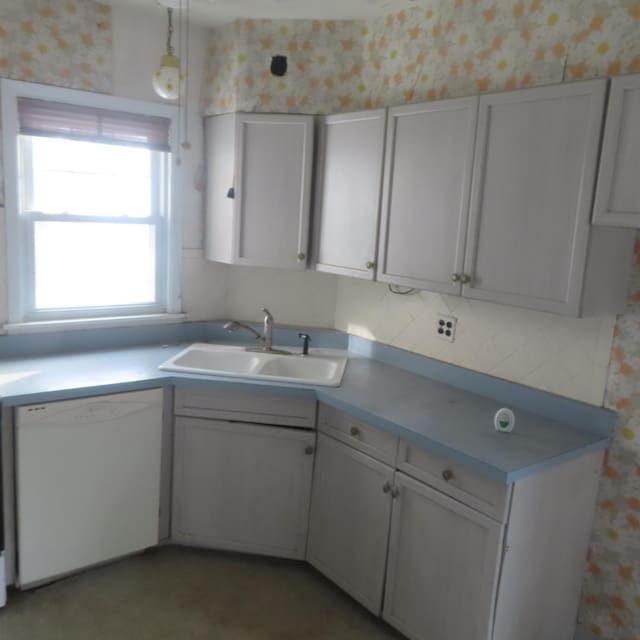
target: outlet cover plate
446 327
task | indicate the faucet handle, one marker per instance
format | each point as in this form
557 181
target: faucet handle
267 313
306 339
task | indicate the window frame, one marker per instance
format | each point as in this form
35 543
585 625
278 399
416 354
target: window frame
20 227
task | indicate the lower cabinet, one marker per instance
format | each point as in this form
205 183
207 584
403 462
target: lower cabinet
242 487
349 523
442 568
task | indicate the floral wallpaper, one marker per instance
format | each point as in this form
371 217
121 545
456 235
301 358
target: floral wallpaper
434 50
65 43
324 65
611 594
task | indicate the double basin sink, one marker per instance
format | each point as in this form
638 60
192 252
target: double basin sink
322 369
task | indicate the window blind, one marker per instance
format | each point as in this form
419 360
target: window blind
90 124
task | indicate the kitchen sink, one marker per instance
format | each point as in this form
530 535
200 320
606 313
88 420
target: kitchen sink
322 368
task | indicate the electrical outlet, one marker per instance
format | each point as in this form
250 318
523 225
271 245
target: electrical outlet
446 327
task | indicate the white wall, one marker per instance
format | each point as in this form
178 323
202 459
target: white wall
139 37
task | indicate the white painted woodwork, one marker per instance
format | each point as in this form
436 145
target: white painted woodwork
546 549
220 220
534 172
618 192
477 491
268 224
442 569
233 403
426 193
242 487
88 481
347 193
358 434
349 520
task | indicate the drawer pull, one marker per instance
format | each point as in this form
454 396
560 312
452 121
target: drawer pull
395 492
386 487
355 432
447 475
309 449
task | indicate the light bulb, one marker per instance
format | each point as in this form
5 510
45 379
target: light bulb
166 80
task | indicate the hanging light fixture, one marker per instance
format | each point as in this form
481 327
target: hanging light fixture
167 78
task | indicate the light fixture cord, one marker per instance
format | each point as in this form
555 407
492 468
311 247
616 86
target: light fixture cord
169 31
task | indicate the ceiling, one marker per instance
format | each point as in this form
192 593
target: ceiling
217 12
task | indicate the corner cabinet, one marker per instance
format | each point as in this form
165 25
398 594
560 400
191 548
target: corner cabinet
347 193
258 190
426 193
618 192
242 481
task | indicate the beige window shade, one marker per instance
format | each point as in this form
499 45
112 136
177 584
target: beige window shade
54 119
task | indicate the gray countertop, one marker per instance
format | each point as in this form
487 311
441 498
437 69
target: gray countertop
439 417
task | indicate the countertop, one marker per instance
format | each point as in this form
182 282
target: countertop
439 417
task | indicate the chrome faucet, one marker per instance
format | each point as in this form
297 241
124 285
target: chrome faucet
268 329
266 340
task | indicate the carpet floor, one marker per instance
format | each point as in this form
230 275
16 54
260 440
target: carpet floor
174 593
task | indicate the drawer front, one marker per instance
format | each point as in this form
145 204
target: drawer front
477 491
246 406
360 435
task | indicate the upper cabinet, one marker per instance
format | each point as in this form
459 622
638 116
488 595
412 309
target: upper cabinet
618 192
426 193
529 240
347 193
258 192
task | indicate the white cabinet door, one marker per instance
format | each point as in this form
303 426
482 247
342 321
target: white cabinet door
426 193
442 570
274 156
534 173
349 522
618 192
242 487
258 189
348 187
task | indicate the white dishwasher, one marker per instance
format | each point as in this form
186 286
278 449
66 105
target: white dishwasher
88 482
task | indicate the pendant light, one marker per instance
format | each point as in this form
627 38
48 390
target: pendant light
166 80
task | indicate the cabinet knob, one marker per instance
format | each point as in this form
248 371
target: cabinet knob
354 431
464 278
309 449
386 487
301 257
370 265
395 492
455 277
447 475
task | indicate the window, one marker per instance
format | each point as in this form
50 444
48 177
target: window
90 227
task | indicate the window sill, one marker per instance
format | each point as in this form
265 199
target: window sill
48 326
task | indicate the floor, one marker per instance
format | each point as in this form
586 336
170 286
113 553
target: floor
174 593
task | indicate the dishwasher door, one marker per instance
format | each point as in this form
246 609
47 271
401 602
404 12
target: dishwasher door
88 482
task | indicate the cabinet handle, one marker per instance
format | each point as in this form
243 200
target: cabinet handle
354 431
464 278
447 475
455 277
395 492
386 487
301 257
309 449
370 265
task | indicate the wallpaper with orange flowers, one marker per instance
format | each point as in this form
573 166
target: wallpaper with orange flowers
436 49
58 42
611 594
